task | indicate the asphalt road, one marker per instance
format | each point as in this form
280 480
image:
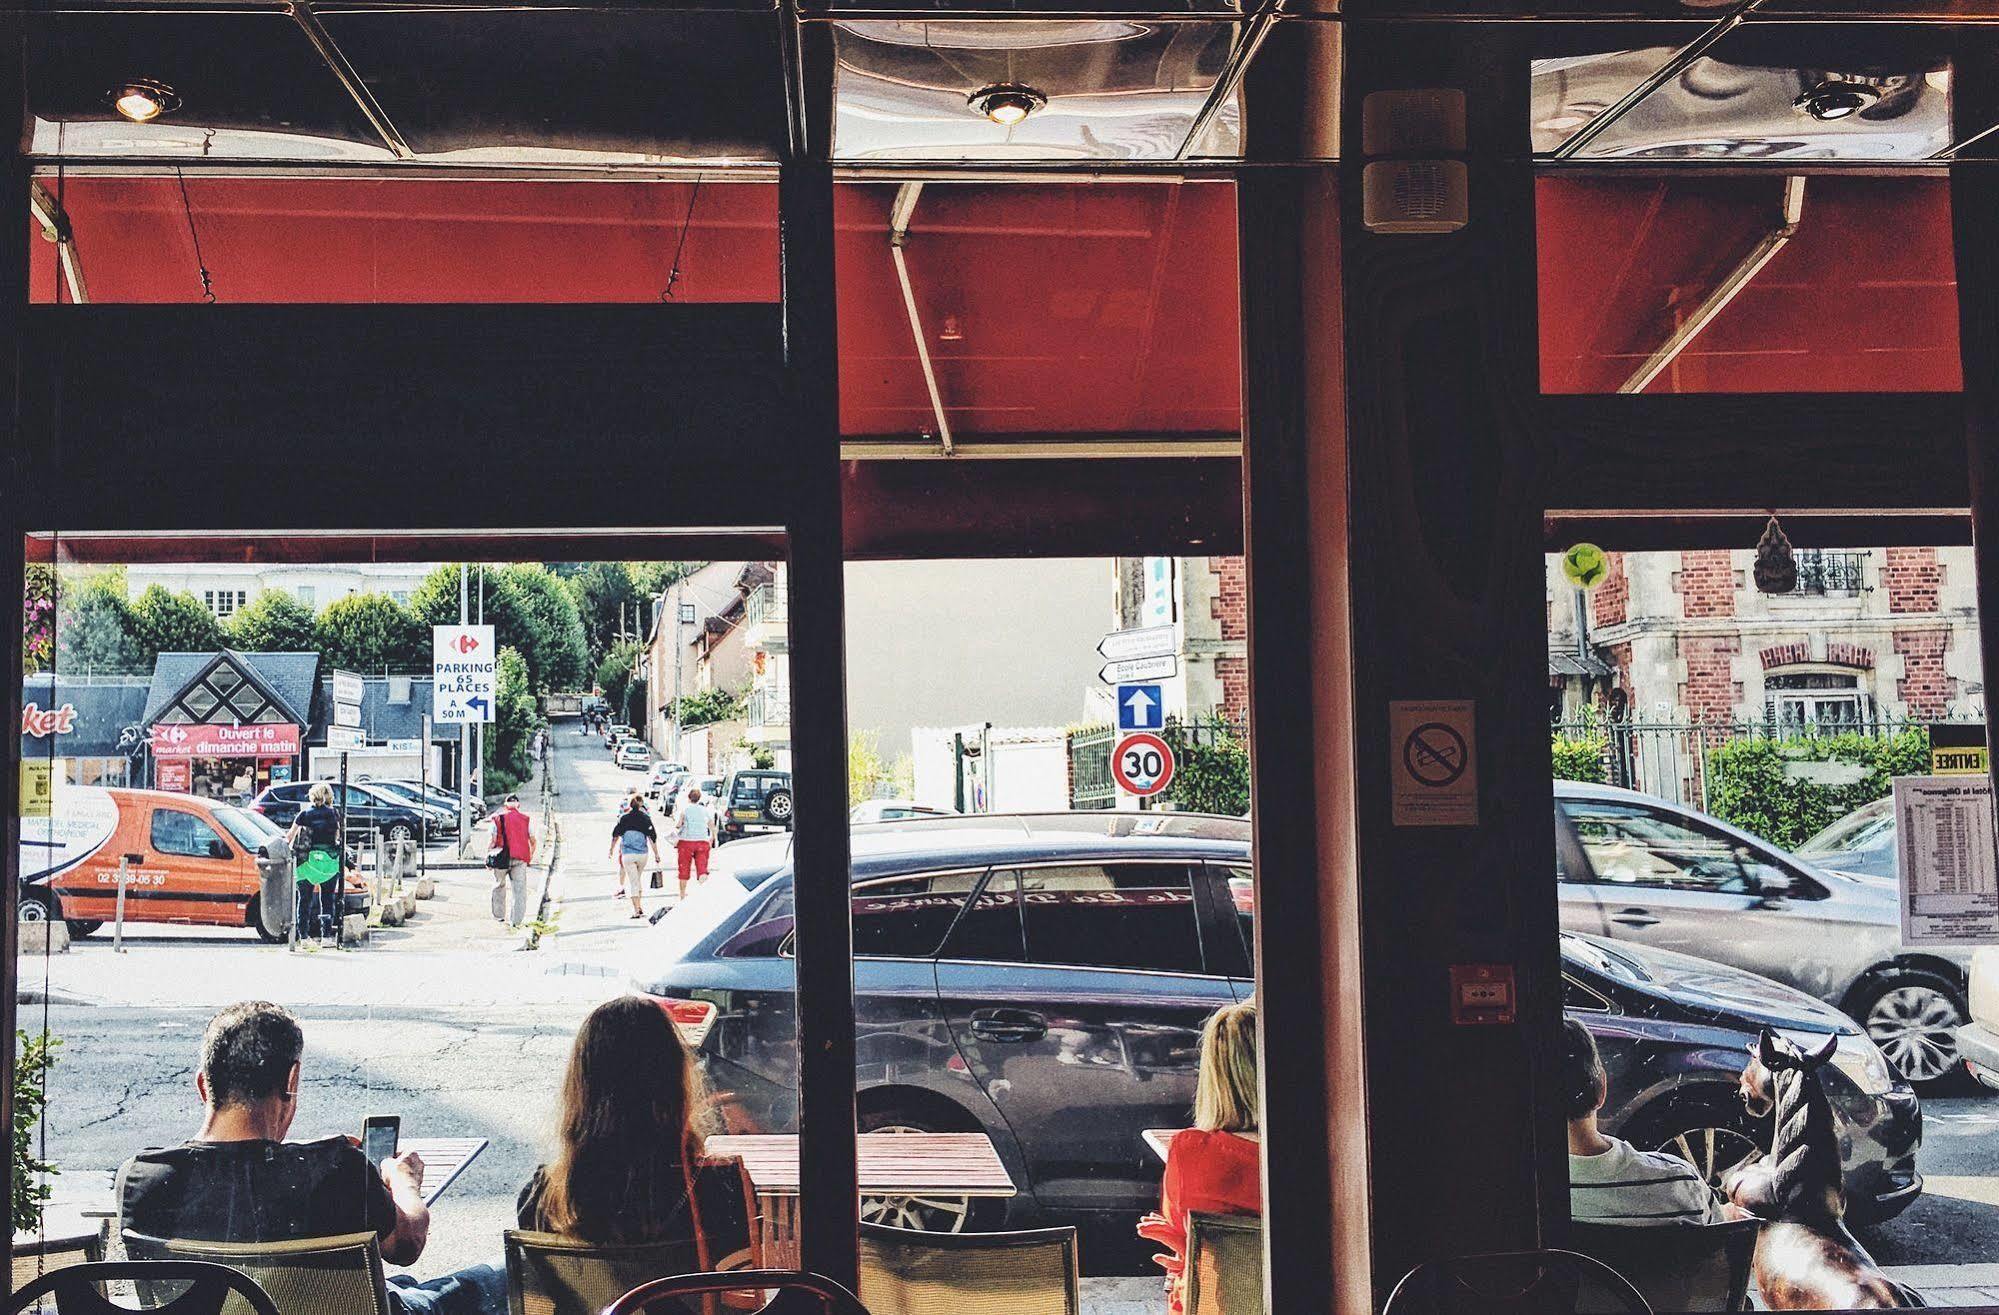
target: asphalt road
452 1025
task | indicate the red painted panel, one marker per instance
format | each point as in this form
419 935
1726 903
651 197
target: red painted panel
1049 309
1863 299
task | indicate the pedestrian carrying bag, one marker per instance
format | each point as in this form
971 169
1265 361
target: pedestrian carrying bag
498 857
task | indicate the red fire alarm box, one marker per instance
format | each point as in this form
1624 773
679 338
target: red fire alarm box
1482 993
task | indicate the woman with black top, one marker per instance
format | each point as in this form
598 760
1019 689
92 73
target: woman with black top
317 827
628 1164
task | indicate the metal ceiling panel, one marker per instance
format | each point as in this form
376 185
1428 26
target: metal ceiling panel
1109 89
251 87
1784 93
572 86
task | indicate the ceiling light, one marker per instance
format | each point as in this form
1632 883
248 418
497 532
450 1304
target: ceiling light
1836 98
1006 103
142 100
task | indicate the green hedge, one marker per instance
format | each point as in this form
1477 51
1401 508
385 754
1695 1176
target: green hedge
1747 785
1211 772
1579 756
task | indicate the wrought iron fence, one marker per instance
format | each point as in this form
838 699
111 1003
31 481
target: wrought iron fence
1670 759
1823 571
768 706
1090 783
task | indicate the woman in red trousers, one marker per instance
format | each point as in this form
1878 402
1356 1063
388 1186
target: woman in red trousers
1213 1167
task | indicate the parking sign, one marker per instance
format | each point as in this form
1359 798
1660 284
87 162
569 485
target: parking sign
464 673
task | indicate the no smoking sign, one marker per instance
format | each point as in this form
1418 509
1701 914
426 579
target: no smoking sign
1433 762
1142 764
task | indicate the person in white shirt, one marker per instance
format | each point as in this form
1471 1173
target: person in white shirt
693 837
1612 1181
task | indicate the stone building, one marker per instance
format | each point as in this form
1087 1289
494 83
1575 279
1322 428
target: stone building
1868 635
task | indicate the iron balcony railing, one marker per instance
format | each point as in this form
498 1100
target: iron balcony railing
768 707
765 605
1825 572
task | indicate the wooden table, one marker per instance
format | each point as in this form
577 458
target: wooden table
890 1164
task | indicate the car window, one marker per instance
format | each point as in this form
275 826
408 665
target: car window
175 832
906 917
250 829
1868 829
1112 915
1633 845
1579 997
990 929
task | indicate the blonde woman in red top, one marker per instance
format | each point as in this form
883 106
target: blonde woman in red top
1215 1166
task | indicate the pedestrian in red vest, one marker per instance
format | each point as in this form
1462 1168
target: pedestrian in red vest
510 850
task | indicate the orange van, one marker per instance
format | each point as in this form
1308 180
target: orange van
194 860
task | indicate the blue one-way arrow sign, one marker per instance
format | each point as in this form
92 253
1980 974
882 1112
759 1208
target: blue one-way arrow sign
482 705
1139 708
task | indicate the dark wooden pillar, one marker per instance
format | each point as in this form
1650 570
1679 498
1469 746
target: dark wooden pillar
828 1200
1446 569
16 501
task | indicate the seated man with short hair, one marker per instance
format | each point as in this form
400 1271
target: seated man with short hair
239 1180
1612 1181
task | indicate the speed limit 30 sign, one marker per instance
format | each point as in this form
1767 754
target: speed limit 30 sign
1142 764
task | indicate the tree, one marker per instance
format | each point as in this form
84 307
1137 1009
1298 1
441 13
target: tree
516 715
614 675
650 578
96 633
275 621
169 621
606 600
38 619
372 632
530 610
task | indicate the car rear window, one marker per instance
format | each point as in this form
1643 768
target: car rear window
906 917
1112 915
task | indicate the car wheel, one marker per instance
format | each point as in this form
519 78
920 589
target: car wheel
38 906
253 915
777 805
1712 1137
929 1212
1914 1017
400 831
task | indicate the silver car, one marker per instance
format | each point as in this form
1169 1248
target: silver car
1633 867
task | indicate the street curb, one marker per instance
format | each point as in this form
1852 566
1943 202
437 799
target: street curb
533 940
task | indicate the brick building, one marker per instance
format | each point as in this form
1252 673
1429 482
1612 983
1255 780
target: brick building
1207 599
1873 634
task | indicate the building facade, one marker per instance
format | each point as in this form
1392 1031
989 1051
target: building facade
1868 636
1206 600
223 588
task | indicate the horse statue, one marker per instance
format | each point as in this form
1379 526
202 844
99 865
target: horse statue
1805 1257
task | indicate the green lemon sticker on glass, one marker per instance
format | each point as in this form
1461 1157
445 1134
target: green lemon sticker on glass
1585 565
319 867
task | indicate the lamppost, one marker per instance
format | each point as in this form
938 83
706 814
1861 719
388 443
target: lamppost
683 615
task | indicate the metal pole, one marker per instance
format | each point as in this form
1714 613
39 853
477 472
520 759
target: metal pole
423 790
464 732
479 727
125 862
339 877
678 647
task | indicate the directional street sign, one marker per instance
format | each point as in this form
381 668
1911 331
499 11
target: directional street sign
1151 642
347 688
1147 668
345 737
1142 764
1139 708
464 673
347 714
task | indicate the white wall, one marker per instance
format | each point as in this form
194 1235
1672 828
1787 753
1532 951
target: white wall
960 643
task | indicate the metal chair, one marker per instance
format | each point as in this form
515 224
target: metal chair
74 1241
1677 1267
1515 1283
205 1289
305 1276
663 1295
548 1274
1224 1273
1033 1272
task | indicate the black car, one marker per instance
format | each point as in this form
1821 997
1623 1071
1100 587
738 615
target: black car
366 809
754 802
1043 980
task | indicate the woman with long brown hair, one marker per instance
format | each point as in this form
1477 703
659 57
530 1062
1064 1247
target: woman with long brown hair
628 1164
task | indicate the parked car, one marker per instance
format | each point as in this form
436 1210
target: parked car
1640 869
665 782
438 796
196 861
443 816
753 802
1978 1040
1043 982
616 731
367 810
1862 842
891 810
633 754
